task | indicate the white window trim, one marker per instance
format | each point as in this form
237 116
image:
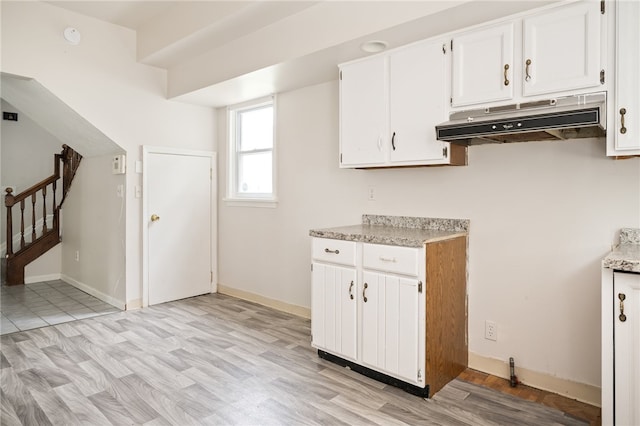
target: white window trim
250 200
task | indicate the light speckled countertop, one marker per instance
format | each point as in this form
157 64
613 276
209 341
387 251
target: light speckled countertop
626 255
397 230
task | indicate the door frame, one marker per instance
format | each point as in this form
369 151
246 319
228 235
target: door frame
146 151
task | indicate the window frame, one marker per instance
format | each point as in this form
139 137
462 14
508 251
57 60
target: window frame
235 198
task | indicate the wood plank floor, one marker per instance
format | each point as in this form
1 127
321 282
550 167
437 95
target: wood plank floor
218 360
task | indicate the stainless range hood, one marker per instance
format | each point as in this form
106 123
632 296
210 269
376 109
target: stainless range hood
571 117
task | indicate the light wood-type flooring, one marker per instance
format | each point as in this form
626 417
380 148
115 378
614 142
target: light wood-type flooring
218 360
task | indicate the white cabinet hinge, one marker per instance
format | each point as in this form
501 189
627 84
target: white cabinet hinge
601 76
444 49
445 151
419 375
340 74
452 45
419 286
340 158
312 267
211 276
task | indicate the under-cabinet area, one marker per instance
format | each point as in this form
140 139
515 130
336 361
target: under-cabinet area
389 299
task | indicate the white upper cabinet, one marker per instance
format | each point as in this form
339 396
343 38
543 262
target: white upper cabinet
390 104
562 49
554 52
418 101
483 65
363 112
626 111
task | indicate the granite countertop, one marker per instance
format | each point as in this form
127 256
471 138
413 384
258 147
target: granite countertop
397 230
626 255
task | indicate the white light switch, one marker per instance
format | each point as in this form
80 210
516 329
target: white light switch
120 191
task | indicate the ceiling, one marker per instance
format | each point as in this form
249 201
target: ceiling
218 53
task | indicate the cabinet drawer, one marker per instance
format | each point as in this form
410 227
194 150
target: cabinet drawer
334 251
401 260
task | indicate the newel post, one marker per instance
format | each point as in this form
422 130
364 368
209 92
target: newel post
9 202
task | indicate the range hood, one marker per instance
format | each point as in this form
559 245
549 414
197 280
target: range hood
571 117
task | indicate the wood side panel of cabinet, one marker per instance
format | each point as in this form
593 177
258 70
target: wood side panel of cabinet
447 352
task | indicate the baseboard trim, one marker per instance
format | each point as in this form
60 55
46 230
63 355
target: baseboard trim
40 278
92 291
133 304
265 301
579 391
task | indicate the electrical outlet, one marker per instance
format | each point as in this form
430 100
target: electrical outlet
490 330
371 194
77 256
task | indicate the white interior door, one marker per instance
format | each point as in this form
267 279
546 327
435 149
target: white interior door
179 212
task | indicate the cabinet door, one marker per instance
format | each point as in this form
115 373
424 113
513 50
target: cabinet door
390 325
483 66
363 112
333 309
627 101
562 49
626 334
417 102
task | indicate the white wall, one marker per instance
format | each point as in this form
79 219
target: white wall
92 213
101 80
543 215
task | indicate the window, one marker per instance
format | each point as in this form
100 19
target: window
251 152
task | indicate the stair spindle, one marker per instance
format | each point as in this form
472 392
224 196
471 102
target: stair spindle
8 201
33 217
55 209
22 242
44 210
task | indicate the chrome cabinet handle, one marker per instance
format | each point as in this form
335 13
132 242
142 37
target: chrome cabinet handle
364 291
623 129
526 70
332 251
350 291
622 317
393 141
506 79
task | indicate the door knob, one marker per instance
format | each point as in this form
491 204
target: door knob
155 218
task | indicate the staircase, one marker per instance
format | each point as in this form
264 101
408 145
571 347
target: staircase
42 235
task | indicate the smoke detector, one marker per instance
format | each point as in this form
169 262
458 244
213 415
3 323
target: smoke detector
72 35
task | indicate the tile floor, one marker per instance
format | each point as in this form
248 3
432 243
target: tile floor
24 307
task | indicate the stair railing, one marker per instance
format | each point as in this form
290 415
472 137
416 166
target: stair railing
47 235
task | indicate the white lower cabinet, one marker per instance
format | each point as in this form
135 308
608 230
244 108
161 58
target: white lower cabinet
369 307
333 318
390 326
621 348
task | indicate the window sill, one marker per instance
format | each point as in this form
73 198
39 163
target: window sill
270 203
